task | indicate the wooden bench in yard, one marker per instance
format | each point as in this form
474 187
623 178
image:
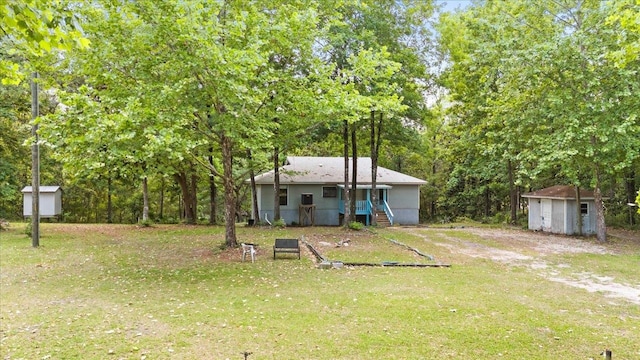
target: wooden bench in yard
286 246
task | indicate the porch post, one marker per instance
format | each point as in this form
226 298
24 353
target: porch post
369 212
340 203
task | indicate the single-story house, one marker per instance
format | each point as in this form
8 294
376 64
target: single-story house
311 192
554 209
50 200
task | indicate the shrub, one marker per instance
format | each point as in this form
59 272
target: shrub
445 219
620 220
146 223
280 223
498 218
464 220
356 225
28 229
523 222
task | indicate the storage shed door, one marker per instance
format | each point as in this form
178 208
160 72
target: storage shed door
586 220
545 204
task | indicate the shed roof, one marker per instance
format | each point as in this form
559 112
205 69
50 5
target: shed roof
43 189
567 192
330 170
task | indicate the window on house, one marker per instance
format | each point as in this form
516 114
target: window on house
584 209
283 196
329 191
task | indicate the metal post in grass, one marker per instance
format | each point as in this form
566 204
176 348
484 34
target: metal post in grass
35 165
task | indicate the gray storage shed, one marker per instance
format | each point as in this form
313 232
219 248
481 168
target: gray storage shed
554 210
50 201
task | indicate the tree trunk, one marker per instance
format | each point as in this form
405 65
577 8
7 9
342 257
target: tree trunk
601 227
347 193
212 192
376 131
434 170
145 200
513 195
276 183
229 192
579 210
35 166
630 184
487 200
109 202
255 212
194 195
354 174
374 166
161 202
188 207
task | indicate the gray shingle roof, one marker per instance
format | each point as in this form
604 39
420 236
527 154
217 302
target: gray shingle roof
330 170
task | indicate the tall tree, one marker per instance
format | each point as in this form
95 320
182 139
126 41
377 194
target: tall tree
34 28
546 87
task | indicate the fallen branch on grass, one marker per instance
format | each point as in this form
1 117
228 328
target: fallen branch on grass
412 249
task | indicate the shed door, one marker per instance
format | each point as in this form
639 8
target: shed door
545 205
586 223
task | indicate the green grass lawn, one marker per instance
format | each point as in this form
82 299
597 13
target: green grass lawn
171 292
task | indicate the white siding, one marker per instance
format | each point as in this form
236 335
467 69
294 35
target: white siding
535 215
557 216
546 212
563 216
50 204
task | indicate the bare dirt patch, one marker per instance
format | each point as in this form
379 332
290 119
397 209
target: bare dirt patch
541 243
529 249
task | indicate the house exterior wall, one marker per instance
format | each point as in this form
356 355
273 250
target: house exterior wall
326 212
404 201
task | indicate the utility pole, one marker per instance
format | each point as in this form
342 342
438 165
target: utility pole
35 164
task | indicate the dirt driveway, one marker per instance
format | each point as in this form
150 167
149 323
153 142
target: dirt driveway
530 249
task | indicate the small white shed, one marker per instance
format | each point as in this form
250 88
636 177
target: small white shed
50 201
554 210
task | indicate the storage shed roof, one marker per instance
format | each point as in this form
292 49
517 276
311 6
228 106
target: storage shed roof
566 192
43 189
